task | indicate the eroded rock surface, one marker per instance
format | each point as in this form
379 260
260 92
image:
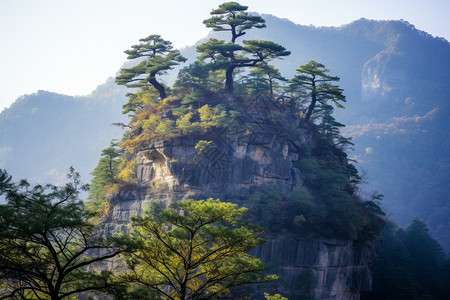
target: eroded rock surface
232 168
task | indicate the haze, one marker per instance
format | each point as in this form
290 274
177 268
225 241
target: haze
70 47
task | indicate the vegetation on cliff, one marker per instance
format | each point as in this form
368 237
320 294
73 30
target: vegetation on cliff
209 97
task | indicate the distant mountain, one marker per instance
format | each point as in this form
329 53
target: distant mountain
43 134
396 79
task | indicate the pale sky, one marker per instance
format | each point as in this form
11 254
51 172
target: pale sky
72 46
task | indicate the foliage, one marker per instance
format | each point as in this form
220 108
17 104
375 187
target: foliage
313 85
330 128
306 285
104 175
409 265
263 78
158 57
231 16
274 297
195 249
202 146
47 241
326 206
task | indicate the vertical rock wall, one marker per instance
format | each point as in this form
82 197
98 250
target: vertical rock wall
232 169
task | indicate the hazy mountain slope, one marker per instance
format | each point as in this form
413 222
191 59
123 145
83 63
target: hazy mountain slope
43 134
396 80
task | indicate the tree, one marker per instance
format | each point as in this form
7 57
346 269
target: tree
47 241
316 86
330 128
427 257
104 174
231 16
267 74
409 265
195 250
158 57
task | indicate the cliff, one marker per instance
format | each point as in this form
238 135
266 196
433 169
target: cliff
260 151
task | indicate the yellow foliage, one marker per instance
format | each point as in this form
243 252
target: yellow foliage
152 122
127 174
165 129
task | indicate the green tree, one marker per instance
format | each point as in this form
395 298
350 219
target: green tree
231 16
314 85
330 128
266 75
427 257
47 241
195 250
158 57
409 264
104 174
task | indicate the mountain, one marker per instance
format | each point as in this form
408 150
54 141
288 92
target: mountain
395 77
43 134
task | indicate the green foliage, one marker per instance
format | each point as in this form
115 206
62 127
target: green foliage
219 54
265 207
158 57
409 265
137 101
263 79
195 249
330 128
104 175
45 238
338 211
314 85
326 206
274 297
231 16
202 146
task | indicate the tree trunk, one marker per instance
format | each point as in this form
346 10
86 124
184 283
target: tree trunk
158 86
313 101
229 79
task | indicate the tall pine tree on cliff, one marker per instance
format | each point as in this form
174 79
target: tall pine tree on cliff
317 87
232 17
158 57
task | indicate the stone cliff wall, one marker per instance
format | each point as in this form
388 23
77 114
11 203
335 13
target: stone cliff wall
340 269
232 168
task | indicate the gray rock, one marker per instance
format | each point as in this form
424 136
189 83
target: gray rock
236 166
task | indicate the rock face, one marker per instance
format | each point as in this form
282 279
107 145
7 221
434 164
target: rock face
340 269
232 167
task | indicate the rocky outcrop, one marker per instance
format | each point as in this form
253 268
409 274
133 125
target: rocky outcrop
340 269
233 166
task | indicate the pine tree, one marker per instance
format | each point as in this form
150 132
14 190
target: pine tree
158 57
231 16
104 174
316 87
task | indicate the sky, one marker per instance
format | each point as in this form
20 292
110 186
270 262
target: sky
72 46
